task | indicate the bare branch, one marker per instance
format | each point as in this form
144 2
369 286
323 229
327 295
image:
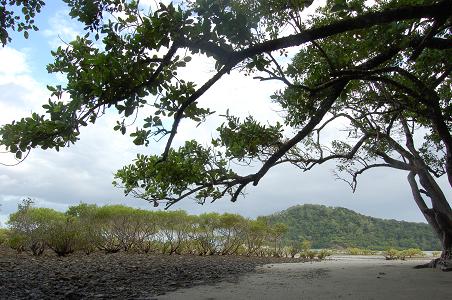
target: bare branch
179 114
310 163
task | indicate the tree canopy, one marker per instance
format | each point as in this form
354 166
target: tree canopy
337 227
18 15
114 228
383 67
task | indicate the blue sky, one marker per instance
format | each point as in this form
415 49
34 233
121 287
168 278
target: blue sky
40 43
84 172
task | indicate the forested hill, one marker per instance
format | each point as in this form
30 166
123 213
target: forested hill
329 227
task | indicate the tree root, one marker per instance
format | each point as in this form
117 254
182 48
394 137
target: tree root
444 264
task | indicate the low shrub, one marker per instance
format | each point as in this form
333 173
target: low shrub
63 236
412 252
17 242
3 236
322 254
292 251
391 254
436 253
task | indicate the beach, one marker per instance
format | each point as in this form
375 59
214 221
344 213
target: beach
342 277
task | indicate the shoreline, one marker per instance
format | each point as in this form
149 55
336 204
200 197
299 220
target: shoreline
147 276
338 278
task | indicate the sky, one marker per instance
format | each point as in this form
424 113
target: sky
84 171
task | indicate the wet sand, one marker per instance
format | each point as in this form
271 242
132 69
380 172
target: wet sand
338 278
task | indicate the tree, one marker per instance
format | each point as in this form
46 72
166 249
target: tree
12 19
408 93
231 232
385 67
255 234
63 234
33 228
206 233
174 228
89 230
275 236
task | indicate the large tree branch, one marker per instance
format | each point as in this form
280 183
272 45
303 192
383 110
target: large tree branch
311 162
334 92
230 58
179 114
324 107
394 163
430 34
426 96
438 10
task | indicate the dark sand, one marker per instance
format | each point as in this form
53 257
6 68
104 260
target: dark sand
115 276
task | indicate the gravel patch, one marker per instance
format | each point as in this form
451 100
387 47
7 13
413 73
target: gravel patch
116 276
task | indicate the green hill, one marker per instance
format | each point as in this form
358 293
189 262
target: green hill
333 227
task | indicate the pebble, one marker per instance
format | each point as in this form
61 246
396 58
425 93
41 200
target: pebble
115 276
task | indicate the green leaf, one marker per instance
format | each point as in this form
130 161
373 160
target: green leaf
19 154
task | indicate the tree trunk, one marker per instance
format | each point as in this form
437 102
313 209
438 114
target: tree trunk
439 216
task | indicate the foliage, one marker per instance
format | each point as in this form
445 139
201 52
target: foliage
306 245
4 232
293 248
276 234
324 253
206 232
63 235
413 252
89 236
35 229
18 16
383 67
330 227
232 230
436 253
255 235
30 227
174 228
187 166
305 251
17 242
114 228
391 253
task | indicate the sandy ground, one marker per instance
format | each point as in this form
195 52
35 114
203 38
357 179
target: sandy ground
338 278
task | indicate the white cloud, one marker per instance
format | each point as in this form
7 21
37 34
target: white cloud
61 29
242 96
12 62
20 93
